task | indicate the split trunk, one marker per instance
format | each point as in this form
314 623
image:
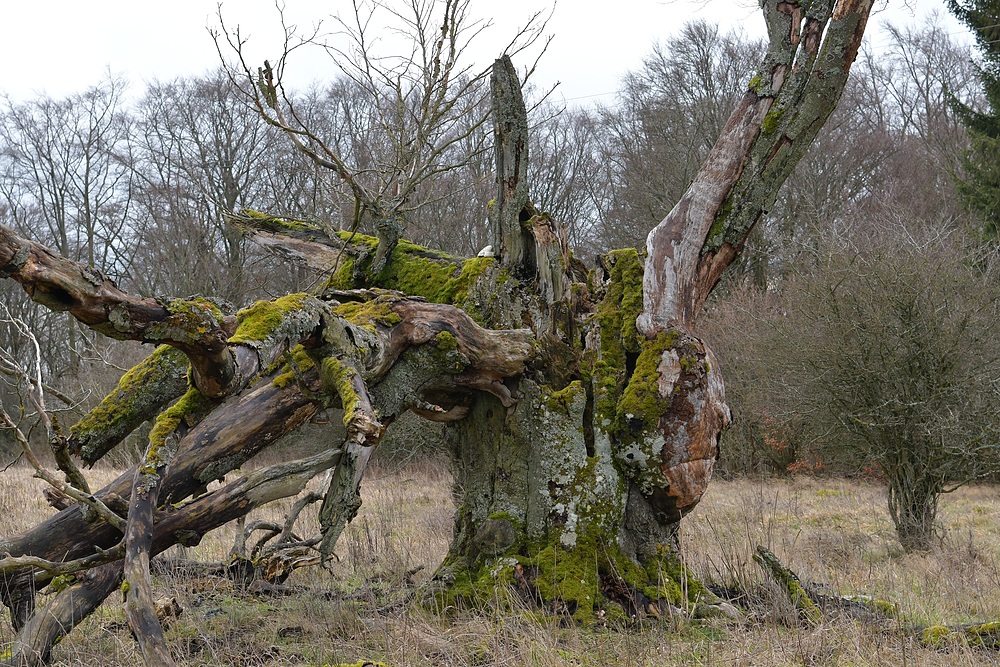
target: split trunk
583 410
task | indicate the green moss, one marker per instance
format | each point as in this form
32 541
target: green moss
164 360
772 119
802 602
716 233
562 400
934 636
883 607
569 579
671 580
979 635
298 363
592 560
188 320
983 635
568 573
615 617
640 407
489 584
414 270
338 377
570 576
626 295
369 314
195 306
256 323
188 409
343 278
358 239
808 610
564 565
757 85
688 363
446 341
284 379
62 582
282 223
616 318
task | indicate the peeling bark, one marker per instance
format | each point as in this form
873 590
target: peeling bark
787 103
582 427
810 52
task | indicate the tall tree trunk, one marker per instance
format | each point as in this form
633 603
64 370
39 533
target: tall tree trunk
575 495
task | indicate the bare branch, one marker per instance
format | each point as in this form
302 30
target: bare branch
84 497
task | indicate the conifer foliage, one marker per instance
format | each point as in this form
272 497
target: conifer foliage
980 183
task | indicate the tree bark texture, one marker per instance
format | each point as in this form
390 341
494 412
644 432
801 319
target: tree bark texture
507 214
811 49
583 411
377 336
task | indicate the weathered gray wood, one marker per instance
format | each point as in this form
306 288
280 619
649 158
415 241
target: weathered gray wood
32 646
508 215
140 609
784 107
34 641
197 327
584 439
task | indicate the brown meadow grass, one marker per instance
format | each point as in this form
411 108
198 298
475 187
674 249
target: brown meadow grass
833 532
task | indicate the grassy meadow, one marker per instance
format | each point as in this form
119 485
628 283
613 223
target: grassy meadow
833 532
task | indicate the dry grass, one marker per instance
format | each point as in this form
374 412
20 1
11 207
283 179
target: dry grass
833 532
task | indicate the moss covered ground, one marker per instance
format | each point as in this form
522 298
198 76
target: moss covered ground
830 531
833 532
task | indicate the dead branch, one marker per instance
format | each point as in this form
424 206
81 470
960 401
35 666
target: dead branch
196 327
786 104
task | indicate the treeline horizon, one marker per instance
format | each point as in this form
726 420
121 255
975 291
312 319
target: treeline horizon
141 187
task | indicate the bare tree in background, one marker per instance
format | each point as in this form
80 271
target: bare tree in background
669 114
583 415
871 347
199 157
63 183
423 112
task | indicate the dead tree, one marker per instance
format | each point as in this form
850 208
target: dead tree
584 411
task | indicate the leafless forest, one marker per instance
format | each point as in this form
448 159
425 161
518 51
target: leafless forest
140 184
857 312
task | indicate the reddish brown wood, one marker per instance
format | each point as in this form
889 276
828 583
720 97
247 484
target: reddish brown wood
195 327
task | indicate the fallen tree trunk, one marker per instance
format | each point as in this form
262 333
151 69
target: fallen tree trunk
813 608
373 339
36 638
583 412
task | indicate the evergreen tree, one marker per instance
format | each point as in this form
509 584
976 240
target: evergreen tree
980 185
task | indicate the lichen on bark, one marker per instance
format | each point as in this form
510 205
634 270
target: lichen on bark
144 389
264 319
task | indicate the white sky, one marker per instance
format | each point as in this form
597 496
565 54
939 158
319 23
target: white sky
58 47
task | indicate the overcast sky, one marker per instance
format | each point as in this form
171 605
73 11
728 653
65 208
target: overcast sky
58 47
